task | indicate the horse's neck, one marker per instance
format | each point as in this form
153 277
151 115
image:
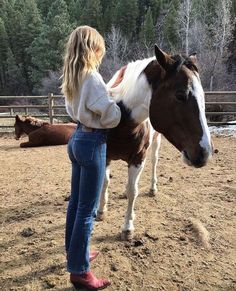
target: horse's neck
138 97
28 128
148 81
136 100
154 74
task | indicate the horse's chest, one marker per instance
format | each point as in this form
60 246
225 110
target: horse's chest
128 146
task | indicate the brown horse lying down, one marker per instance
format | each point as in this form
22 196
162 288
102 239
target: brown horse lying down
42 133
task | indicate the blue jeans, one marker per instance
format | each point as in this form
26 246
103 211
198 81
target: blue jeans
87 152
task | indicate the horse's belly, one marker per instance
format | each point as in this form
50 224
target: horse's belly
129 152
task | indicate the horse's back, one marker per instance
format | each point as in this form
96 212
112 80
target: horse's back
53 134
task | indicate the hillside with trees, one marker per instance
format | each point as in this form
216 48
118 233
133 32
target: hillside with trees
33 34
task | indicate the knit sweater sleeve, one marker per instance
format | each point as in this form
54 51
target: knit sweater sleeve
101 104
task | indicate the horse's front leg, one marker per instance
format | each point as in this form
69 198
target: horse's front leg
132 193
156 143
104 196
27 144
35 139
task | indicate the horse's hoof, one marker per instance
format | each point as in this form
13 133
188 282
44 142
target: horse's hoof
152 192
100 216
127 235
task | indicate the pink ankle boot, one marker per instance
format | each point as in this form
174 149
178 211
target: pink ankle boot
88 281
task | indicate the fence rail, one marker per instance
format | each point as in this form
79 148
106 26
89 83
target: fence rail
50 107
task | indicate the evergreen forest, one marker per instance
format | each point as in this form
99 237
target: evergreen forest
33 34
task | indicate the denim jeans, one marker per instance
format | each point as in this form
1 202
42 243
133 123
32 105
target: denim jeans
87 152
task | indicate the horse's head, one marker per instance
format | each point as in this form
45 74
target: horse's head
18 129
177 107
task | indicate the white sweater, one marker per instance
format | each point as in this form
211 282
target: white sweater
93 107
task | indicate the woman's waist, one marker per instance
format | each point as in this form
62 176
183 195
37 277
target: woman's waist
84 128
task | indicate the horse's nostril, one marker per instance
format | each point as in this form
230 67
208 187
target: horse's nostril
186 154
201 159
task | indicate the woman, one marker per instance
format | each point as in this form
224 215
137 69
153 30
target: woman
88 104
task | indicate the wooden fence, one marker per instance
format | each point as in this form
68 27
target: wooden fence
47 109
221 104
44 110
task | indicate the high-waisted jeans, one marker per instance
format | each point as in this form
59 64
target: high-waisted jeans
87 152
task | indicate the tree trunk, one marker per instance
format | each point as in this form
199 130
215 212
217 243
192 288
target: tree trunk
187 27
211 83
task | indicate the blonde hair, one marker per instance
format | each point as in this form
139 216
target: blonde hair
84 52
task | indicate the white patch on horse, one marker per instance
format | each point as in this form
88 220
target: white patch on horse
104 196
198 93
134 90
132 193
156 143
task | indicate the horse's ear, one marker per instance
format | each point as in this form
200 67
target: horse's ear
160 56
163 59
18 117
193 57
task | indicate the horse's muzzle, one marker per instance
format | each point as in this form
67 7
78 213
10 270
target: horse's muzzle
197 161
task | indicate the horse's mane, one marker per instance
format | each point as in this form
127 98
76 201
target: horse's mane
133 83
34 121
183 59
125 88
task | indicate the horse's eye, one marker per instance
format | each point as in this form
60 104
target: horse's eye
181 96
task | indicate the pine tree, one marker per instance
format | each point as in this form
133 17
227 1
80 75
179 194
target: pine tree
13 76
170 27
147 34
3 56
232 46
48 48
71 4
76 10
8 14
44 6
22 23
109 12
126 17
143 6
3 8
155 6
4 42
91 14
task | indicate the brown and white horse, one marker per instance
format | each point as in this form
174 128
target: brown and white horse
167 89
42 133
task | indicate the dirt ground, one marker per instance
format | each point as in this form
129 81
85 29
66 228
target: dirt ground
165 254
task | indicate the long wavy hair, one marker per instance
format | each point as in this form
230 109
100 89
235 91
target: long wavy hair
84 52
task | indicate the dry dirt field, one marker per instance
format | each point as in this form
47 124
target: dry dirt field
166 253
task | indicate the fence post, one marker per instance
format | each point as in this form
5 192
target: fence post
51 104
